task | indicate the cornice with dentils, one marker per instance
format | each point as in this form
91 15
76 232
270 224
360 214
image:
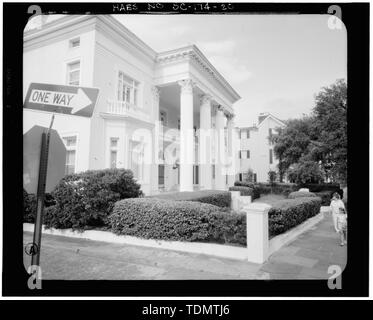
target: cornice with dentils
192 52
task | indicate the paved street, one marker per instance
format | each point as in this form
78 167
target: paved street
65 258
69 258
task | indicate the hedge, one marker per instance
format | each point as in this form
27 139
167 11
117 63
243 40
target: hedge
244 191
215 197
29 205
287 188
244 184
326 197
284 188
301 194
266 188
153 218
315 187
86 199
288 213
262 188
253 186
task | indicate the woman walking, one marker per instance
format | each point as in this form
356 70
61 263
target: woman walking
335 205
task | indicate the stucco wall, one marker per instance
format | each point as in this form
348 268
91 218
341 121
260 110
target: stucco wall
48 63
259 147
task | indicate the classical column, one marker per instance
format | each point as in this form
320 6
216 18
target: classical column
205 142
231 169
154 166
220 147
186 135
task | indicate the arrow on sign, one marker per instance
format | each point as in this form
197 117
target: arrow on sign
80 101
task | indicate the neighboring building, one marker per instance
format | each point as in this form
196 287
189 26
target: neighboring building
139 89
256 149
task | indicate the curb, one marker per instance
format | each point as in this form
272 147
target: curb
218 250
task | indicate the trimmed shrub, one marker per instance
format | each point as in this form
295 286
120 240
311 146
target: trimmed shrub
326 197
320 187
215 197
301 194
262 188
228 228
255 187
86 199
288 213
29 205
244 184
51 217
153 218
284 188
244 191
266 188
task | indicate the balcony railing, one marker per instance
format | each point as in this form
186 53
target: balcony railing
124 108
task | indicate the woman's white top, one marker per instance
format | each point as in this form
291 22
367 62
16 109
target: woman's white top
335 205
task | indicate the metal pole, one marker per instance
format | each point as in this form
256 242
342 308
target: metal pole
43 166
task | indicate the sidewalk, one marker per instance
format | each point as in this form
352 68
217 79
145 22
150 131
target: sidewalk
308 257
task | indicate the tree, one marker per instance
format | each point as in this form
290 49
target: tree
320 138
272 176
305 171
292 142
330 125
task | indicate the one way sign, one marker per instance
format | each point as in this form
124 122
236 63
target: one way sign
79 101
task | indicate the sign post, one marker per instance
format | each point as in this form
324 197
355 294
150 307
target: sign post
68 100
45 137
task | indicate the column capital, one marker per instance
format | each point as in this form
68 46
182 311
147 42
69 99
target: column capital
220 108
156 92
186 85
230 116
205 98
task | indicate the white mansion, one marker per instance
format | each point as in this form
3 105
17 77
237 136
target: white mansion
146 100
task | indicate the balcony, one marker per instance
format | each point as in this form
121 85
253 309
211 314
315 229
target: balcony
123 108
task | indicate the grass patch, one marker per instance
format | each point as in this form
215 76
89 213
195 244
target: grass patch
270 199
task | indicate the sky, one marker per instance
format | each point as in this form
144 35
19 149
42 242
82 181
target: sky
276 63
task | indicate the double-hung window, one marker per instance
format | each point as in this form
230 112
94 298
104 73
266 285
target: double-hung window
70 144
270 156
73 73
113 152
127 89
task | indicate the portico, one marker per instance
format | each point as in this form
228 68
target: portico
190 88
